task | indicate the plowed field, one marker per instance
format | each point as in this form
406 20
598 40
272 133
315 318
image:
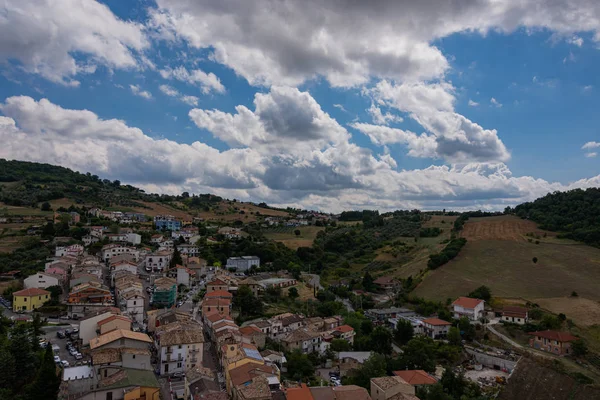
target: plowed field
501 228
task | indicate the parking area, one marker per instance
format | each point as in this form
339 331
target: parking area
63 352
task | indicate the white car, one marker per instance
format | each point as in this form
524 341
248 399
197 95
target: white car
57 359
64 363
78 356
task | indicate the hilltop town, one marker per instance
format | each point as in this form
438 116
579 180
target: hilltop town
293 304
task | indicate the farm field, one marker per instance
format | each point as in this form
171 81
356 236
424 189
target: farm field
583 312
287 236
507 268
506 227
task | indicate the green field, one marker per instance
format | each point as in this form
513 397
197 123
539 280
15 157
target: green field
507 268
287 236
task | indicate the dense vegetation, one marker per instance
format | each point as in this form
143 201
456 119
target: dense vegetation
27 371
448 253
575 214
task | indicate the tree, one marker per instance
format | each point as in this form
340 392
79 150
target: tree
297 232
55 292
419 353
454 336
367 282
293 293
404 332
340 345
36 329
48 232
176 259
466 328
535 260
46 206
373 367
381 340
8 370
579 347
482 292
574 294
299 366
45 385
247 303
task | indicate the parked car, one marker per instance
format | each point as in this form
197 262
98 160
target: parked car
57 360
72 351
75 331
67 332
60 334
78 356
177 376
65 363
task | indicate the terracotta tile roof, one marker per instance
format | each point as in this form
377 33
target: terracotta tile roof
244 373
184 336
216 282
514 311
112 318
351 392
322 393
133 350
105 356
249 330
436 322
403 396
555 335
386 382
117 334
218 293
217 317
467 302
216 302
344 328
31 292
416 377
299 393
384 280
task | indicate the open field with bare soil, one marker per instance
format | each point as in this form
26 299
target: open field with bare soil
506 227
583 312
507 268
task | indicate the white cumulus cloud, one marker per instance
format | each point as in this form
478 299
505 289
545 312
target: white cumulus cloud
137 90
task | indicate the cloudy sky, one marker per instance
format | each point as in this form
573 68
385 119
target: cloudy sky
322 104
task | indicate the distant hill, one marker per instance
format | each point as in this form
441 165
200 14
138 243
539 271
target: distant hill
28 184
575 214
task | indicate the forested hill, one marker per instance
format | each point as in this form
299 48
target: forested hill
27 184
576 214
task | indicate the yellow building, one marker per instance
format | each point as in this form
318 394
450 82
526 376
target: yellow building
236 355
29 299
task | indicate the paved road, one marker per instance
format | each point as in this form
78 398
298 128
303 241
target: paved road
500 335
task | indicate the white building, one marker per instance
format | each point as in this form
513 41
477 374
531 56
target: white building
186 235
42 280
111 250
134 238
89 239
243 263
158 261
468 307
189 250
185 276
73 250
134 301
180 349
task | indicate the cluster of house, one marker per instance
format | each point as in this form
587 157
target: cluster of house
302 219
118 216
99 233
120 364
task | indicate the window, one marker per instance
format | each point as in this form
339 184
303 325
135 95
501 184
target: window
178 365
109 396
179 346
133 356
134 302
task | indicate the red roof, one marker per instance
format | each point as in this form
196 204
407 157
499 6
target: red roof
219 293
467 302
344 328
436 322
416 377
217 317
514 311
216 302
384 280
31 292
249 330
555 335
216 282
112 318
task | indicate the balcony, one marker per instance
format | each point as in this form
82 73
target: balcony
169 350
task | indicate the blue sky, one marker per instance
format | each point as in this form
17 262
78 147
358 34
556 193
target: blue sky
329 107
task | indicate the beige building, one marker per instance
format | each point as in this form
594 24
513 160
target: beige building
114 322
121 338
386 387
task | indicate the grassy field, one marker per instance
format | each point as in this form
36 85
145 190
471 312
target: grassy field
499 255
287 236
